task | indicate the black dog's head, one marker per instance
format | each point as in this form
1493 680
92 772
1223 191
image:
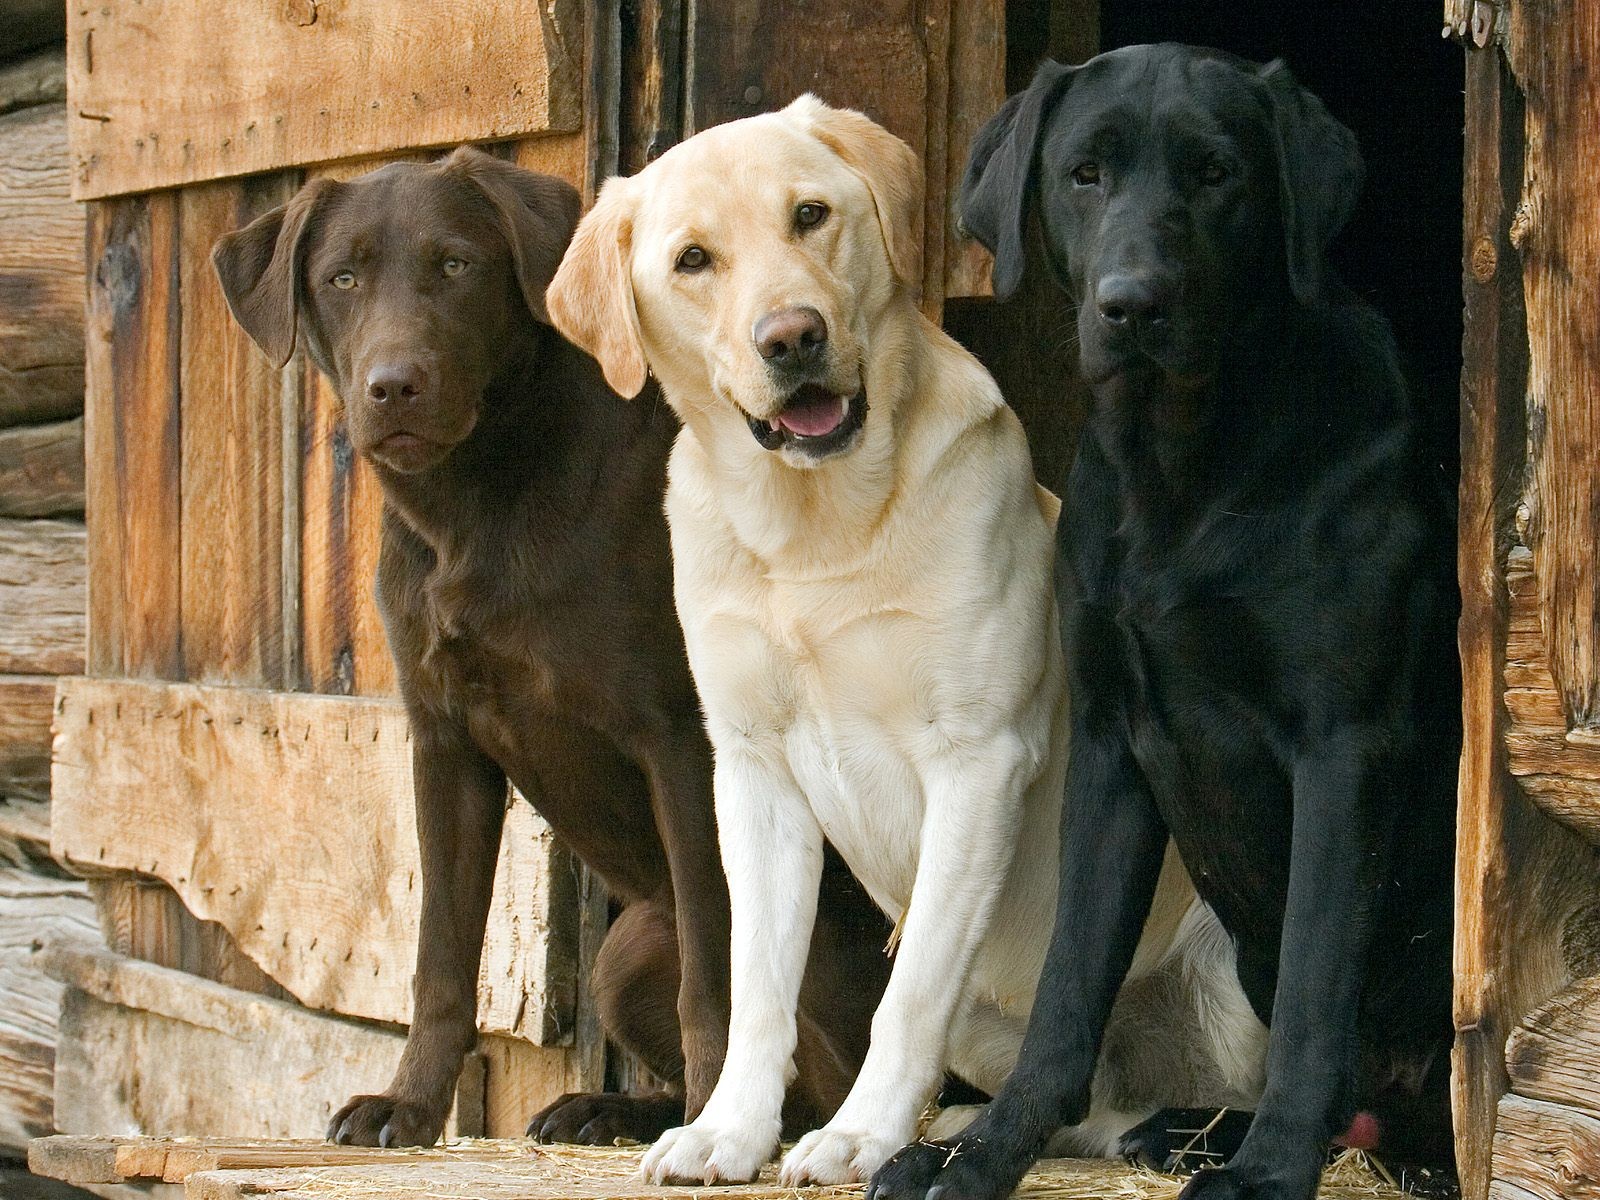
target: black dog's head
411 288
1177 189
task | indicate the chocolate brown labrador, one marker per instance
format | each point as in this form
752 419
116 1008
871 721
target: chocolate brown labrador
525 581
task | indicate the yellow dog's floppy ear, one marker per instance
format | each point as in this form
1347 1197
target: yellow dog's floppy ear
891 170
590 300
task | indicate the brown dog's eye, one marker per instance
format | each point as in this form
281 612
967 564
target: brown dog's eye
1086 174
344 279
1214 172
693 259
810 215
454 266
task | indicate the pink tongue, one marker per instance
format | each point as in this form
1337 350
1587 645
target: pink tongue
813 417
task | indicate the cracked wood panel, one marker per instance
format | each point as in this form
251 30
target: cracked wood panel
163 92
213 790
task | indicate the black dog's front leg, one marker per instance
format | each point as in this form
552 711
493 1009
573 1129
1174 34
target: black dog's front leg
1336 862
461 804
1112 842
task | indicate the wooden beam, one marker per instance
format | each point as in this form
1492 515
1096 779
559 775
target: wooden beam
41 270
170 94
26 702
1554 1055
42 596
1545 1151
147 1048
213 789
41 470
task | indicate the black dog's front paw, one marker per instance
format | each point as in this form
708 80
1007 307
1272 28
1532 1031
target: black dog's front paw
606 1118
1241 1181
385 1121
965 1169
1183 1140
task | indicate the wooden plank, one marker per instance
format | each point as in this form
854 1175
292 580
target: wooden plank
33 906
237 413
26 702
168 95
1546 1151
977 89
42 596
213 789
41 470
41 270
131 434
1549 46
1554 1055
146 1048
38 79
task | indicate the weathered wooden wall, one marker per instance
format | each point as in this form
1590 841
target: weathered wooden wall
1528 896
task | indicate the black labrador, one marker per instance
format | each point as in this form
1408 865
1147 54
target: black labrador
1258 602
525 580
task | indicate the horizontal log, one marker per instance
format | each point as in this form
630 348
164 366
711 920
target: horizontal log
43 596
1545 1151
172 92
214 790
32 907
38 79
26 702
1554 1055
41 470
150 1049
41 270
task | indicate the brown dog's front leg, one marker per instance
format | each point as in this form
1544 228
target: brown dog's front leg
680 792
461 800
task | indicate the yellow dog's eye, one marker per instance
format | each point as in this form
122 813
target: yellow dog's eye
810 215
454 266
344 279
1086 174
693 259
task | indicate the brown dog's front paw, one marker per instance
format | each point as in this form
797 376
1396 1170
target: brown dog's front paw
384 1121
606 1118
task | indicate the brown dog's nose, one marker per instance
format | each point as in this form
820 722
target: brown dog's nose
791 336
395 381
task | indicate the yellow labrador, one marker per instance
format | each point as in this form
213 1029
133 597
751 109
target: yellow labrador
863 569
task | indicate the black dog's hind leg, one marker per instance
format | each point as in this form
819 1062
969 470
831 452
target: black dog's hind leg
1334 872
1112 843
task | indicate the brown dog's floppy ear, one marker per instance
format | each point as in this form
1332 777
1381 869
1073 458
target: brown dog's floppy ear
591 297
998 183
1319 177
537 215
259 268
891 171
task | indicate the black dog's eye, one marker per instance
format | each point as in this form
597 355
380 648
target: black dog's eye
810 215
693 259
454 266
344 279
1086 174
1214 172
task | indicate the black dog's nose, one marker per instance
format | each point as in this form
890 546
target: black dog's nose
395 381
1129 299
791 336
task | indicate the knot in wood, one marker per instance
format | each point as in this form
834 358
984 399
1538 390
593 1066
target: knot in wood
1484 259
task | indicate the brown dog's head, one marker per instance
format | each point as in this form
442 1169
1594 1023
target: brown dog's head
411 288
751 267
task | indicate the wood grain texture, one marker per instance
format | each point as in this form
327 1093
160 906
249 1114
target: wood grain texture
26 702
213 790
33 907
41 270
238 414
41 470
132 438
977 89
1545 1151
38 79
164 95
42 596
148 1049
1554 1055
1550 47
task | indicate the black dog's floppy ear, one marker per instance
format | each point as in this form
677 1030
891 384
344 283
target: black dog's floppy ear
1319 177
537 215
259 269
999 177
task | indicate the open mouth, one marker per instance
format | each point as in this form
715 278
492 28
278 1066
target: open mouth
813 420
